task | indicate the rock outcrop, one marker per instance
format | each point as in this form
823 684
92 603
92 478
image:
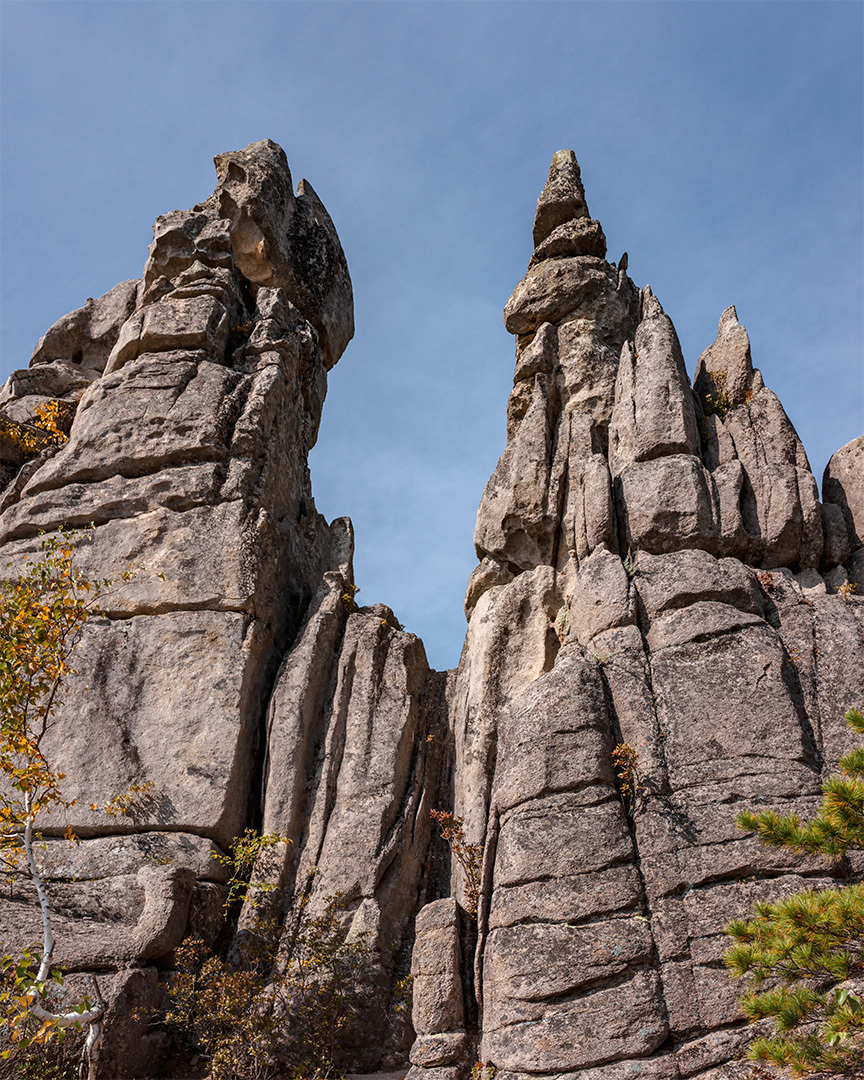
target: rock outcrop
654 568
232 679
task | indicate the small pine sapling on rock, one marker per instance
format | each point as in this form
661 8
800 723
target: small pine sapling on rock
809 948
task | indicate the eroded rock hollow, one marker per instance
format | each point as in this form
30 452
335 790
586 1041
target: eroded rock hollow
654 568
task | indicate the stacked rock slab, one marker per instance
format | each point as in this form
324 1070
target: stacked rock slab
649 574
233 678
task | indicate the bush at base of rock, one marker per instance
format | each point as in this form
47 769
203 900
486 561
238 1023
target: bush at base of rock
274 1010
52 1061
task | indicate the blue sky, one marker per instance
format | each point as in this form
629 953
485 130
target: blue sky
720 145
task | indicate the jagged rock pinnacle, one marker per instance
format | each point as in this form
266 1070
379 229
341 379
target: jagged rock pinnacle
728 359
674 539
563 197
562 226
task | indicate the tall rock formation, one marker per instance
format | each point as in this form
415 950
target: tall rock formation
233 679
654 568
649 575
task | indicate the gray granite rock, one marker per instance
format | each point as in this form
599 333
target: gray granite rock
674 537
199 394
438 1004
556 288
654 568
516 518
654 414
563 197
842 487
744 424
725 368
84 338
582 236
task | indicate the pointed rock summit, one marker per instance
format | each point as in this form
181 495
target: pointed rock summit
725 368
562 225
562 200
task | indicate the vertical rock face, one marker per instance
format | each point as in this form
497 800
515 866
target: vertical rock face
654 568
649 574
188 455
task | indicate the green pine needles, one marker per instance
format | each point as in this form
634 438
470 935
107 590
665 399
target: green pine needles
809 949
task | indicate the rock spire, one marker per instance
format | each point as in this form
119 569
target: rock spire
655 569
232 678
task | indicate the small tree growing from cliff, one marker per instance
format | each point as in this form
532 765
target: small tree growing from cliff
809 947
42 617
469 856
49 427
